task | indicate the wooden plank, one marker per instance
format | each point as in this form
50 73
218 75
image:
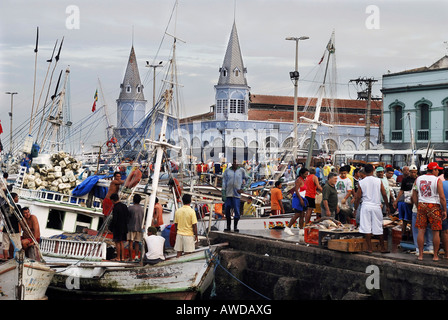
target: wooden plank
352 245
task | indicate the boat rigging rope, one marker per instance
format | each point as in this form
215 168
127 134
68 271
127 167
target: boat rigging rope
214 258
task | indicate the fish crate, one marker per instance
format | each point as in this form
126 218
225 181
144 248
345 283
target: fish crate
327 235
311 235
352 245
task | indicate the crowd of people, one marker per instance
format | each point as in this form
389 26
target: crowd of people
365 194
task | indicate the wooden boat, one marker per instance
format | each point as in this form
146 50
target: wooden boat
24 279
182 278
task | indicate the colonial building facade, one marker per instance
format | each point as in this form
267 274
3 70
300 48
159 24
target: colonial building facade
416 107
243 125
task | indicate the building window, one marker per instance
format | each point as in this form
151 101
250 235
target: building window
232 105
423 119
139 89
224 72
445 114
396 121
236 72
128 89
219 106
240 106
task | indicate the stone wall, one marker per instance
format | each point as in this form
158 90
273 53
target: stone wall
281 270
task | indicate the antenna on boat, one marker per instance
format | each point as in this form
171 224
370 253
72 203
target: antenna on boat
36 49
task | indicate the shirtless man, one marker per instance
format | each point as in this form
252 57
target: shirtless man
33 225
113 188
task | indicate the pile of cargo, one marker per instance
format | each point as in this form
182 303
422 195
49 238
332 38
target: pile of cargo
59 175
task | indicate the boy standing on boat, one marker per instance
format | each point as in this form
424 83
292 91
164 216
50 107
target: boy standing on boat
135 233
119 225
113 188
185 222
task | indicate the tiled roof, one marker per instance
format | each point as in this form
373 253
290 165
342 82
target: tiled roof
260 99
132 79
233 60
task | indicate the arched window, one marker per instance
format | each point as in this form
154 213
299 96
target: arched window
396 120
445 115
423 107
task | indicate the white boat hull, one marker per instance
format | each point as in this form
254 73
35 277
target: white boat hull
35 280
175 278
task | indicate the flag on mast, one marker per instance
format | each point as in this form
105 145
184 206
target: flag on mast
95 100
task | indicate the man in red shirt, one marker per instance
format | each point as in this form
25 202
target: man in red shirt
312 185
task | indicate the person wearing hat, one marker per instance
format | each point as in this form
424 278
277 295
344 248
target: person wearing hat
430 199
403 201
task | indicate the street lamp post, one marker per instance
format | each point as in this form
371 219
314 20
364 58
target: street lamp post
10 115
154 66
294 75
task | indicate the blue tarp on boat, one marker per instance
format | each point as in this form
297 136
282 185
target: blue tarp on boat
89 184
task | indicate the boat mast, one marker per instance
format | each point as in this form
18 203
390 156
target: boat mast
57 120
160 146
315 123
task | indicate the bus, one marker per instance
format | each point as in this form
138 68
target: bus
397 158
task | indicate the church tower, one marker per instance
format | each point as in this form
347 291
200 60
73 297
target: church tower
232 91
131 106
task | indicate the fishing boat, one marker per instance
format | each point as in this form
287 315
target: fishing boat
183 278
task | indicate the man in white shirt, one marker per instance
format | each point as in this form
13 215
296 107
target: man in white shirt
370 192
154 245
430 199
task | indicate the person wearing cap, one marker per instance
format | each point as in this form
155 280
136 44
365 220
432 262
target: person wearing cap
403 201
431 207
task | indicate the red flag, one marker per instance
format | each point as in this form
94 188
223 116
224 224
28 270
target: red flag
94 102
1 129
322 59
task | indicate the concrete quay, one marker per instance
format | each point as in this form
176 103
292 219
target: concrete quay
272 265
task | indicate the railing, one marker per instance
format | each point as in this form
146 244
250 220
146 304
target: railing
73 249
397 135
58 197
423 135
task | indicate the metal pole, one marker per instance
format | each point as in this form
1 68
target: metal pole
10 115
295 76
296 81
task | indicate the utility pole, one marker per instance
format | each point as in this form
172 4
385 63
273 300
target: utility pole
366 94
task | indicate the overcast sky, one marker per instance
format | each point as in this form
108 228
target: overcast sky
371 38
